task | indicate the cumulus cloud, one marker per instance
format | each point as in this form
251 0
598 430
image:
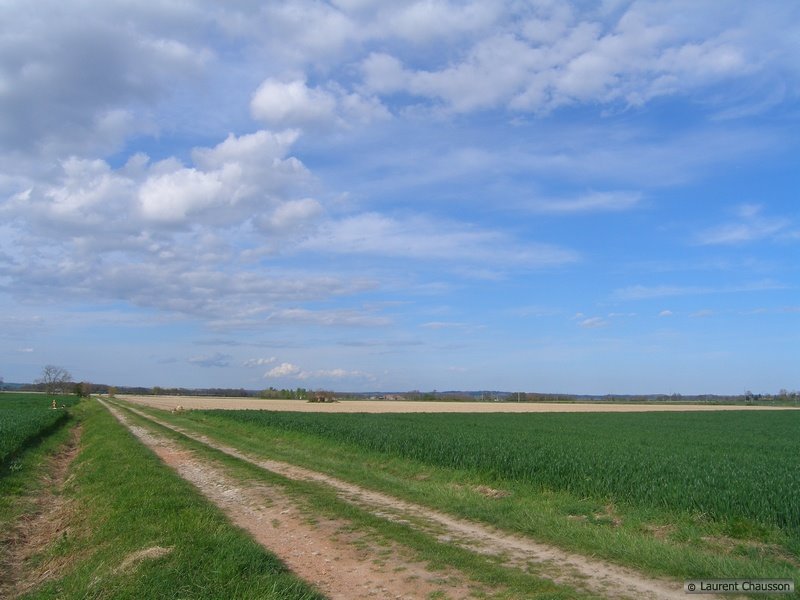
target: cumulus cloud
224 185
551 55
291 103
284 369
294 104
78 80
292 371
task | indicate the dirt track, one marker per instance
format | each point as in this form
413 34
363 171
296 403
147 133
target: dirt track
386 406
513 551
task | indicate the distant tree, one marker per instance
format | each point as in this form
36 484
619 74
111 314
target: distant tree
112 391
54 379
83 389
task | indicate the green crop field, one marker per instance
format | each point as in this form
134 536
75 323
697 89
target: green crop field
727 465
26 416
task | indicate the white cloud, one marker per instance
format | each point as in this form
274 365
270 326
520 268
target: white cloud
283 370
226 183
349 318
592 202
665 313
337 374
171 197
294 104
642 292
78 81
443 325
593 323
289 370
545 57
427 239
259 362
292 215
291 104
751 227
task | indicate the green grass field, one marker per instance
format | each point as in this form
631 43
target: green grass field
729 466
23 417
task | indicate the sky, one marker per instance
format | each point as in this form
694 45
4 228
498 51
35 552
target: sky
588 197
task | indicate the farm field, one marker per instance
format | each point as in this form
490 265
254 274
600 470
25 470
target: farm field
294 505
732 465
674 495
377 406
25 416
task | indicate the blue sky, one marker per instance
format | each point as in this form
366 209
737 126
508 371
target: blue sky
595 197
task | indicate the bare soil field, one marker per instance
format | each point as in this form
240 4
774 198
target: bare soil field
392 406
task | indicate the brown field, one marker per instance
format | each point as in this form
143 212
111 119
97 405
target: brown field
388 406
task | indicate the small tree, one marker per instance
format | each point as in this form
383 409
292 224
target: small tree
83 389
54 379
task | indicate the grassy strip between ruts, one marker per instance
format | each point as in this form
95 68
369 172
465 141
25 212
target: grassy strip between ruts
676 544
136 530
318 499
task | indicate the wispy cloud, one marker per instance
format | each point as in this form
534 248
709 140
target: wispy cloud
259 362
642 292
212 360
589 203
751 226
424 238
593 323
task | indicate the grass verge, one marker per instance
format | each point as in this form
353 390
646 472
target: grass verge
659 542
136 530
